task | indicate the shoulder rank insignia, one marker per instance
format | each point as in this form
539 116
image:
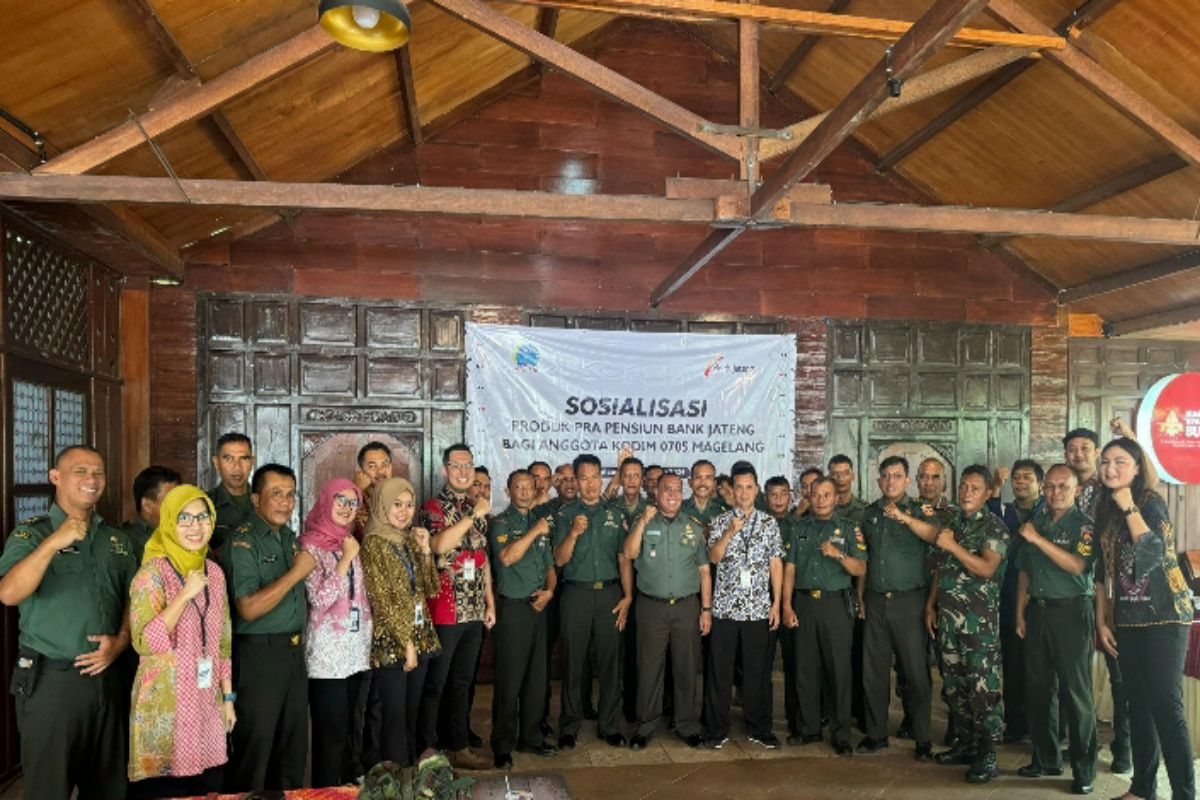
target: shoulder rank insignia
502 538
35 519
116 546
22 533
240 543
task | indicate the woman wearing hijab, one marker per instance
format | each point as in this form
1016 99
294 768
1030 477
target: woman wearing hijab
400 575
179 624
337 643
1151 611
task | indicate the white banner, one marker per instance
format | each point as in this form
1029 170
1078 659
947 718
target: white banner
548 394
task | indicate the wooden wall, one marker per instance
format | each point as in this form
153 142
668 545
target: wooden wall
554 134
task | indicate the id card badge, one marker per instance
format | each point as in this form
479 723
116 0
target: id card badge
204 673
419 616
653 553
468 570
746 575
354 619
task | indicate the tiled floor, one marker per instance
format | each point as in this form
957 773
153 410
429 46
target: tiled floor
669 770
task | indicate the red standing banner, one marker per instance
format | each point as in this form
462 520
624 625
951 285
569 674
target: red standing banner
1168 427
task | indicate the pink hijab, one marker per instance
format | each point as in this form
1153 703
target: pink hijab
320 531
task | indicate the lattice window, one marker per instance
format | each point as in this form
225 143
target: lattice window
30 506
68 418
31 432
47 299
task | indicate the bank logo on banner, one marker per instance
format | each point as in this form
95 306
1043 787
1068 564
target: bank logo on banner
550 394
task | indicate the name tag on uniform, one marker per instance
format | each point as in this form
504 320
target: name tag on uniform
419 615
653 552
204 673
354 619
746 575
468 570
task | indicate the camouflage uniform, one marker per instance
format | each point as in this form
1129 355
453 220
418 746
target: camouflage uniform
969 628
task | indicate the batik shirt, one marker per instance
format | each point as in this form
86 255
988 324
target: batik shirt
749 551
461 598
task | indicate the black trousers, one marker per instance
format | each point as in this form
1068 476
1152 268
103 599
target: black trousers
724 639
446 699
520 675
270 740
332 706
1152 668
206 782
895 629
1060 642
1012 655
74 732
399 700
823 641
662 625
587 617
785 640
1120 701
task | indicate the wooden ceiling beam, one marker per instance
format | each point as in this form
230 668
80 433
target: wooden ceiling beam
191 104
548 27
1109 87
916 89
927 35
600 208
608 82
1178 264
792 62
408 94
816 22
1119 184
1180 315
1082 16
749 84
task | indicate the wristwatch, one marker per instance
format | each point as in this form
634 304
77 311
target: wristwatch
230 697
1132 510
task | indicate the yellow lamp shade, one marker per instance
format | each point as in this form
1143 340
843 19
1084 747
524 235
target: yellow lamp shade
372 25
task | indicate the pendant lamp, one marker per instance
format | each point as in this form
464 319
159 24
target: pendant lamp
372 25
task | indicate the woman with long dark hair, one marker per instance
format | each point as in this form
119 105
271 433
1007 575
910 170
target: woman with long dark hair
1151 611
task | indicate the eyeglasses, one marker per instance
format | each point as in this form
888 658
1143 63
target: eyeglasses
465 466
185 519
345 502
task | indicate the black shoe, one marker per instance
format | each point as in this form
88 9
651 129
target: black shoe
768 741
615 740
547 731
544 749
957 755
983 768
905 729
590 714
843 748
566 742
638 743
1016 738
502 761
473 738
1034 771
803 739
715 742
1078 787
869 745
693 741
1120 766
924 751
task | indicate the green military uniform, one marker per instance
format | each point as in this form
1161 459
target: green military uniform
61 713
824 635
548 508
786 637
897 581
714 508
519 637
233 511
270 738
853 509
138 531
1059 640
632 513
668 613
629 658
592 589
968 629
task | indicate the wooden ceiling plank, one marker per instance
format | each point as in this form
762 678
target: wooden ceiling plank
606 81
792 62
408 94
547 205
1163 268
239 145
815 22
957 110
1109 87
192 104
1086 14
1080 17
163 39
917 89
903 59
1158 319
